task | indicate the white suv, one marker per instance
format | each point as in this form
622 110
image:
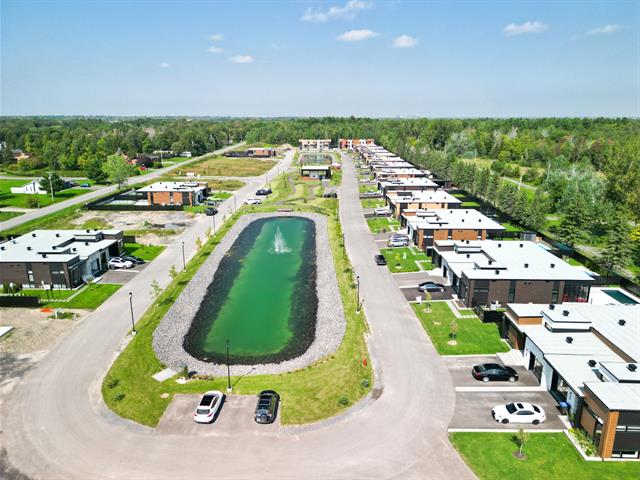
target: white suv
117 262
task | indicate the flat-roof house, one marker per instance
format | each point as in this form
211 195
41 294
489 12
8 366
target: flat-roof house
62 258
315 144
420 184
586 356
400 201
351 143
316 171
382 174
175 193
33 187
427 226
483 272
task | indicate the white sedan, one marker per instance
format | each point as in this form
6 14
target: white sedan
117 262
253 201
382 211
518 412
208 407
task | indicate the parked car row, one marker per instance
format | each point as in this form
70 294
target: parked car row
124 261
209 407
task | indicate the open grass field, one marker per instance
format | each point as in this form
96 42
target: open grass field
318 391
383 224
549 456
219 166
403 259
57 220
87 297
473 337
21 200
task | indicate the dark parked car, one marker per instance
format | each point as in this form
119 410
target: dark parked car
380 260
85 185
330 195
132 259
493 371
267 407
211 211
263 191
212 203
430 287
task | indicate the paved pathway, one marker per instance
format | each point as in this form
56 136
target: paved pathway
99 192
403 434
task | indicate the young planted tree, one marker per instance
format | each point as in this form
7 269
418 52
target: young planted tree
173 272
427 302
156 290
118 170
54 181
521 437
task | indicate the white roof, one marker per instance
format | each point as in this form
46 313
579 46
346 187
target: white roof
173 187
455 219
575 369
582 343
315 167
398 171
409 182
621 372
526 309
511 260
437 196
55 245
617 396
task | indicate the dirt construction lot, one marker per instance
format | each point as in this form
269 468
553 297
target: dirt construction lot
150 228
33 336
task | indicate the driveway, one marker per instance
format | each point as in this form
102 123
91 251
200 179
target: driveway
408 284
460 371
122 275
473 410
236 415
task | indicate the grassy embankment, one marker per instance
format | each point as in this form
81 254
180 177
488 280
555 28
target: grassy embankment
318 391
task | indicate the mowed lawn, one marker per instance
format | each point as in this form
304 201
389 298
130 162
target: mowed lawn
549 456
383 224
403 259
372 202
7 215
19 200
88 297
231 167
145 252
473 337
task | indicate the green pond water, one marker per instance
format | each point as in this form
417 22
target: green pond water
262 299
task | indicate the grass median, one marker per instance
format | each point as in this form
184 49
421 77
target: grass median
548 455
312 393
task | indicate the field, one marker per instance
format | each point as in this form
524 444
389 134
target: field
21 200
548 455
87 297
237 167
7 215
473 337
321 390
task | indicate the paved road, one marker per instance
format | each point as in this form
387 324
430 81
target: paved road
14 222
403 434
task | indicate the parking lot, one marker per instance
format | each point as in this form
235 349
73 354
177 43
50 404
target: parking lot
122 275
235 415
408 285
460 370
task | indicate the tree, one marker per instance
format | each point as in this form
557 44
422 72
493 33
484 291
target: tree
33 201
173 272
198 243
117 170
618 246
52 180
571 228
521 439
427 301
93 170
156 290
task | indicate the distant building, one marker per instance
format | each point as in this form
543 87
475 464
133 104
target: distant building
315 144
352 143
316 171
62 258
33 187
175 193
414 184
186 154
400 202
261 152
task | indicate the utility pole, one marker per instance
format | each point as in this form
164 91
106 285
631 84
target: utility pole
51 185
184 262
133 325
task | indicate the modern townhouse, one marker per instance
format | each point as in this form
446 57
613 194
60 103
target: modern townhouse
486 272
419 184
382 174
175 193
427 226
315 144
61 258
400 201
587 357
352 143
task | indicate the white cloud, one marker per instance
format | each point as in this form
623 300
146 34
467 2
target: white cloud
165 65
405 41
242 59
215 50
525 28
346 12
605 30
216 37
356 35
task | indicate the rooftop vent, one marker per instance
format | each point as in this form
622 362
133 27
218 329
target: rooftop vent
44 255
569 339
74 249
2 248
467 242
88 230
592 363
521 245
551 306
28 248
463 220
33 235
468 255
497 272
86 244
553 265
526 265
565 313
490 262
54 247
57 235
632 367
622 322
499 245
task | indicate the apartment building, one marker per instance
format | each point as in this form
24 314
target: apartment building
352 143
315 144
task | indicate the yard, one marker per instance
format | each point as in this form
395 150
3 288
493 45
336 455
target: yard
145 252
368 188
383 224
7 215
22 200
472 338
548 455
403 259
321 390
237 167
372 202
87 297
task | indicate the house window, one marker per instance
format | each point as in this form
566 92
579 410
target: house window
512 291
555 291
575 292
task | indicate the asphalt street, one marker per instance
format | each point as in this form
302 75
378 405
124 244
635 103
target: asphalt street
56 426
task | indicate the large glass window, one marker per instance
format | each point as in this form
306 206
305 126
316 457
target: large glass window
576 292
512 291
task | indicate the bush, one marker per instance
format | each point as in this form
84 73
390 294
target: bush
33 201
118 397
365 383
113 383
344 401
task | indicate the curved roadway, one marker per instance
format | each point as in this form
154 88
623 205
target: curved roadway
55 425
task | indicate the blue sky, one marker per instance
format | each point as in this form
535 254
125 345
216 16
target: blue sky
346 57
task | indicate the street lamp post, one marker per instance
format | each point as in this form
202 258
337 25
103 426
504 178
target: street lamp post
184 262
51 186
133 325
358 293
228 369
214 223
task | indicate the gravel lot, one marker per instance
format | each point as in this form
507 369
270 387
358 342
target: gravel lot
330 324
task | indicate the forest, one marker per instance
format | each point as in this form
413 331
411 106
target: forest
577 179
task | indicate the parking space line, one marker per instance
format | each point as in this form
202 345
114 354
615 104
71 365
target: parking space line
501 389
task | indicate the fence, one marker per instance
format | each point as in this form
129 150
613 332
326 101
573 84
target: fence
20 301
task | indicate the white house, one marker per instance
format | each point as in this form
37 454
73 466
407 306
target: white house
32 187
